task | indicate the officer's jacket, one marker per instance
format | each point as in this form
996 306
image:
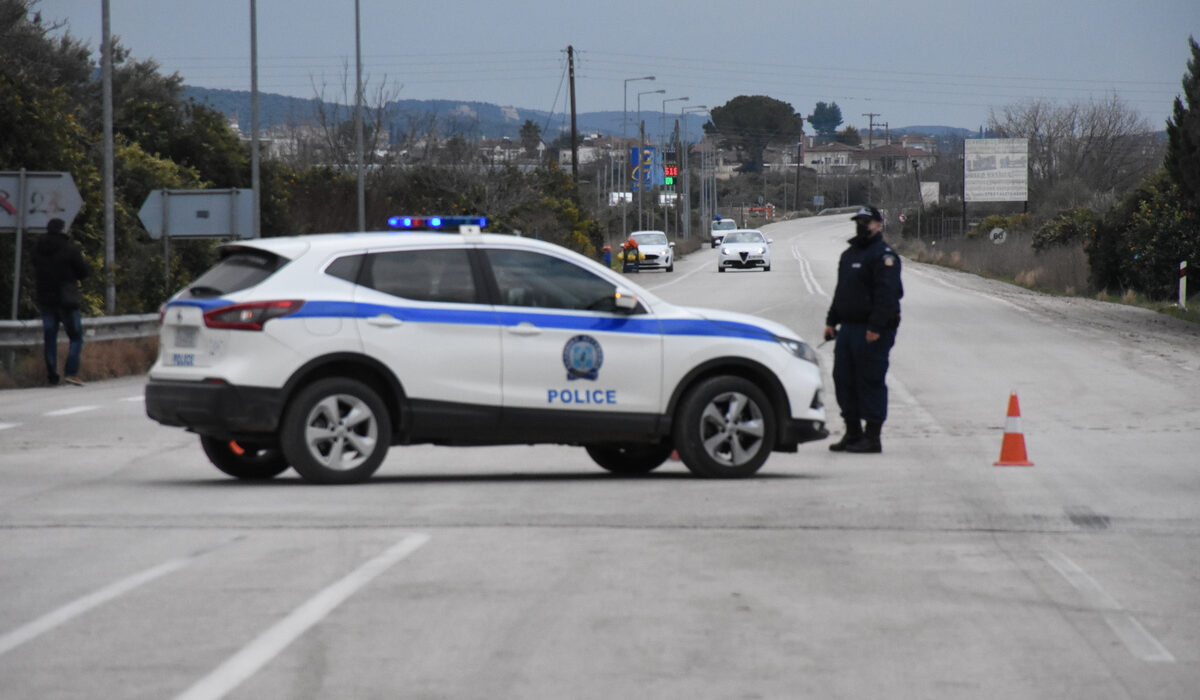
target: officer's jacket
868 288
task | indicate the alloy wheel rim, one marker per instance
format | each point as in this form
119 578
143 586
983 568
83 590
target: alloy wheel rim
732 428
341 432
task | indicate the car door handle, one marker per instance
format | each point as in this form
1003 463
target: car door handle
385 321
524 328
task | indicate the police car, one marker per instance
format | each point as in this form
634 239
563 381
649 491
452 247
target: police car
321 352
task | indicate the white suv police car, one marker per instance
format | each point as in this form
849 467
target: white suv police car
320 352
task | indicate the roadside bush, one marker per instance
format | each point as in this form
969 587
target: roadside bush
1013 223
1073 226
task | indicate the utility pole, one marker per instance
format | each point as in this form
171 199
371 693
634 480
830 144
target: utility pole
870 157
110 239
641 170
255 183
358 120
574 132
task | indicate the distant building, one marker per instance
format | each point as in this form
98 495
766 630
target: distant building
833 158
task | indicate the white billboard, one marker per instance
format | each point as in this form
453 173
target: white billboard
996 170
931 193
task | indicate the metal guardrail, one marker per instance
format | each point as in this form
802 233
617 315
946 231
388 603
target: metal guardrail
25 334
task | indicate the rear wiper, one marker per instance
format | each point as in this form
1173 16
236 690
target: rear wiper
201 290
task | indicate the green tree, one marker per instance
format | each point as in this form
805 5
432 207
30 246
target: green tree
825 118
531 136
750 123
1183 134
849 136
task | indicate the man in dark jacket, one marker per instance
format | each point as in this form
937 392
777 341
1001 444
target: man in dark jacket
864 316
59 266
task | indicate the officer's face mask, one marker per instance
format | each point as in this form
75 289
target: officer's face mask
862 229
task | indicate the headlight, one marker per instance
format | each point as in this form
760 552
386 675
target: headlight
724 251
762 251
802 350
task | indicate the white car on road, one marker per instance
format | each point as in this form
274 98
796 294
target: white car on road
655 251
321 352
718 230
744 249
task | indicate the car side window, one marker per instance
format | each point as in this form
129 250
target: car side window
527 278
423 275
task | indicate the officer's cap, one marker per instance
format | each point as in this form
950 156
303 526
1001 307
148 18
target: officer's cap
870 213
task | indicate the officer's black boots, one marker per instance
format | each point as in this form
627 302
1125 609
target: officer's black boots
854 433
869 443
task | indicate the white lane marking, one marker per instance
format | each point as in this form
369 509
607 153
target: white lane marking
6 426
131 399
71 410
252 657
680 278
983 295
79 606
803 272
812 276
1140 643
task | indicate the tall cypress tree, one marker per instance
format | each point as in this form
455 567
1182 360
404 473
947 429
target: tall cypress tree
1183 134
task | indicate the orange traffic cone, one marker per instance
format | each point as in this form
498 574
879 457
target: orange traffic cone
1012 450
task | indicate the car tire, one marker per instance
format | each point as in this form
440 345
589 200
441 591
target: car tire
766 268
243 460
326 448
630 459
671 267
725 428
720 268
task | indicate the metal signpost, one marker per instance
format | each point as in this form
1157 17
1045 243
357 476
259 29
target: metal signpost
28 200
168 214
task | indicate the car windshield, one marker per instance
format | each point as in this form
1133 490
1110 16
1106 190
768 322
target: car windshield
724 225
745 237
650 238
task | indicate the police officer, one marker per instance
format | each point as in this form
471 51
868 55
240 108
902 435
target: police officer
864 316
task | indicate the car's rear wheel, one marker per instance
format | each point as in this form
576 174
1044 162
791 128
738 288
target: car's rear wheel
725 428
243 460
630 459
336 431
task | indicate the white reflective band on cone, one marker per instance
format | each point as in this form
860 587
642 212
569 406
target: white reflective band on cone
1012 424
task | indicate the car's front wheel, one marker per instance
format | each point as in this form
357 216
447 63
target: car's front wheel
725 428
336 431
631 458
247 461
671 266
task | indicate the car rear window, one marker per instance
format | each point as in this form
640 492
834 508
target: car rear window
238 269
724 225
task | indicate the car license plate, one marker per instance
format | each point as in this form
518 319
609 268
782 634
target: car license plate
185 337
182 359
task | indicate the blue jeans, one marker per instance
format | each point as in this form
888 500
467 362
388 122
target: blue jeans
859 370
72 321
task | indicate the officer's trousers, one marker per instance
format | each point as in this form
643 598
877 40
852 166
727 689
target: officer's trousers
859 369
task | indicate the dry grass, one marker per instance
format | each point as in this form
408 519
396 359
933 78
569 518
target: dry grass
1062 270
100 360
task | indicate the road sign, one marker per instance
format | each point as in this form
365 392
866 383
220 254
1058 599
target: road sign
199 213
47 195
996 170
818 201
998 235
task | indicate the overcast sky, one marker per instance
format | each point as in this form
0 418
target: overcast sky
918 62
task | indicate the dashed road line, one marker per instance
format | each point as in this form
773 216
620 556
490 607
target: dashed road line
79 606
1136 639
131 399
70 411
245 663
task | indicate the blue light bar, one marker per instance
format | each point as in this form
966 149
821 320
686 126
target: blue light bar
436 222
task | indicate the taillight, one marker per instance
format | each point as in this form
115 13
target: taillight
250 317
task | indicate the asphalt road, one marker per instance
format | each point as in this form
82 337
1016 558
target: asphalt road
132 569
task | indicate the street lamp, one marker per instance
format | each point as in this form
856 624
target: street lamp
639 100
625 102
662 120
642 149
699 109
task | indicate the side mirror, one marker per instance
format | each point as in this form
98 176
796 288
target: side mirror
672 244
624 301
770 240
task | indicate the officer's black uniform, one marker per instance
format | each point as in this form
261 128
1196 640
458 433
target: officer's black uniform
867 299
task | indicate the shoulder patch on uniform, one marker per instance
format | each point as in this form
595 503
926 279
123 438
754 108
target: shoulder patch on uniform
889 260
